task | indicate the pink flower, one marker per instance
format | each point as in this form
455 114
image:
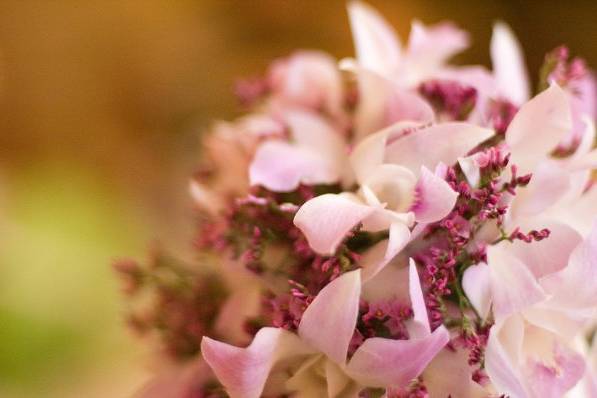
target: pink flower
313 155
308 79
542 294
315 362
396 188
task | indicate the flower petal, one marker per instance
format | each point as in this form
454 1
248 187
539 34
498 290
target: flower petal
502 357
329 321
549 255
244 371
471 169
403 105
434 197
369 153
476 286
508 65
281 167
430 46
380 362
513 286
376 258
538 127
326 219
444 142
313 132
549 184
417 301
376 43
575 286
554 382
308 78
392 185
382 102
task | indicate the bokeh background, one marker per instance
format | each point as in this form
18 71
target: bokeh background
102 104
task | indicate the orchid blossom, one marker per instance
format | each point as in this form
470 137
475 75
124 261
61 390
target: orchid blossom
317 357
396 190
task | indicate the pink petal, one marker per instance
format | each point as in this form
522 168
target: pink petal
315 156
329 321
430 46
403 105
501 359
549 184
587 138
575 286
513 286
549 255
417 301
281 167
312 131
308 78
382 102
244 371
376 258
554 382
325 220
380 362
369 154
374 91
440 143
376 43
476 286
538 127
434 197
559 321
508 65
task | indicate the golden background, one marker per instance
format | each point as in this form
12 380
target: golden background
101 107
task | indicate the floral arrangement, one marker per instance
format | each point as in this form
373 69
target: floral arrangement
388 226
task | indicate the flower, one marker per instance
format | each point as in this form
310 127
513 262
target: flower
542 296
317 359
428 231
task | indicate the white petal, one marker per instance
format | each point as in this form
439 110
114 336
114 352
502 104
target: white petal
377 45
508 65
417 301
476 286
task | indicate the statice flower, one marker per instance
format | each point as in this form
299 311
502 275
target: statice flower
388 225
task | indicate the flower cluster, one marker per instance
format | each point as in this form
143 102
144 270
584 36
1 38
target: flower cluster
389 225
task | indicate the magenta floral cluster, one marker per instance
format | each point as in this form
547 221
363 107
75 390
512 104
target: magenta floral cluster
389 225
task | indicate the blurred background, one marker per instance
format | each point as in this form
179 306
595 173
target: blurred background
102 104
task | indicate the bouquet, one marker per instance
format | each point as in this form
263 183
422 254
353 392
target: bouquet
388 225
